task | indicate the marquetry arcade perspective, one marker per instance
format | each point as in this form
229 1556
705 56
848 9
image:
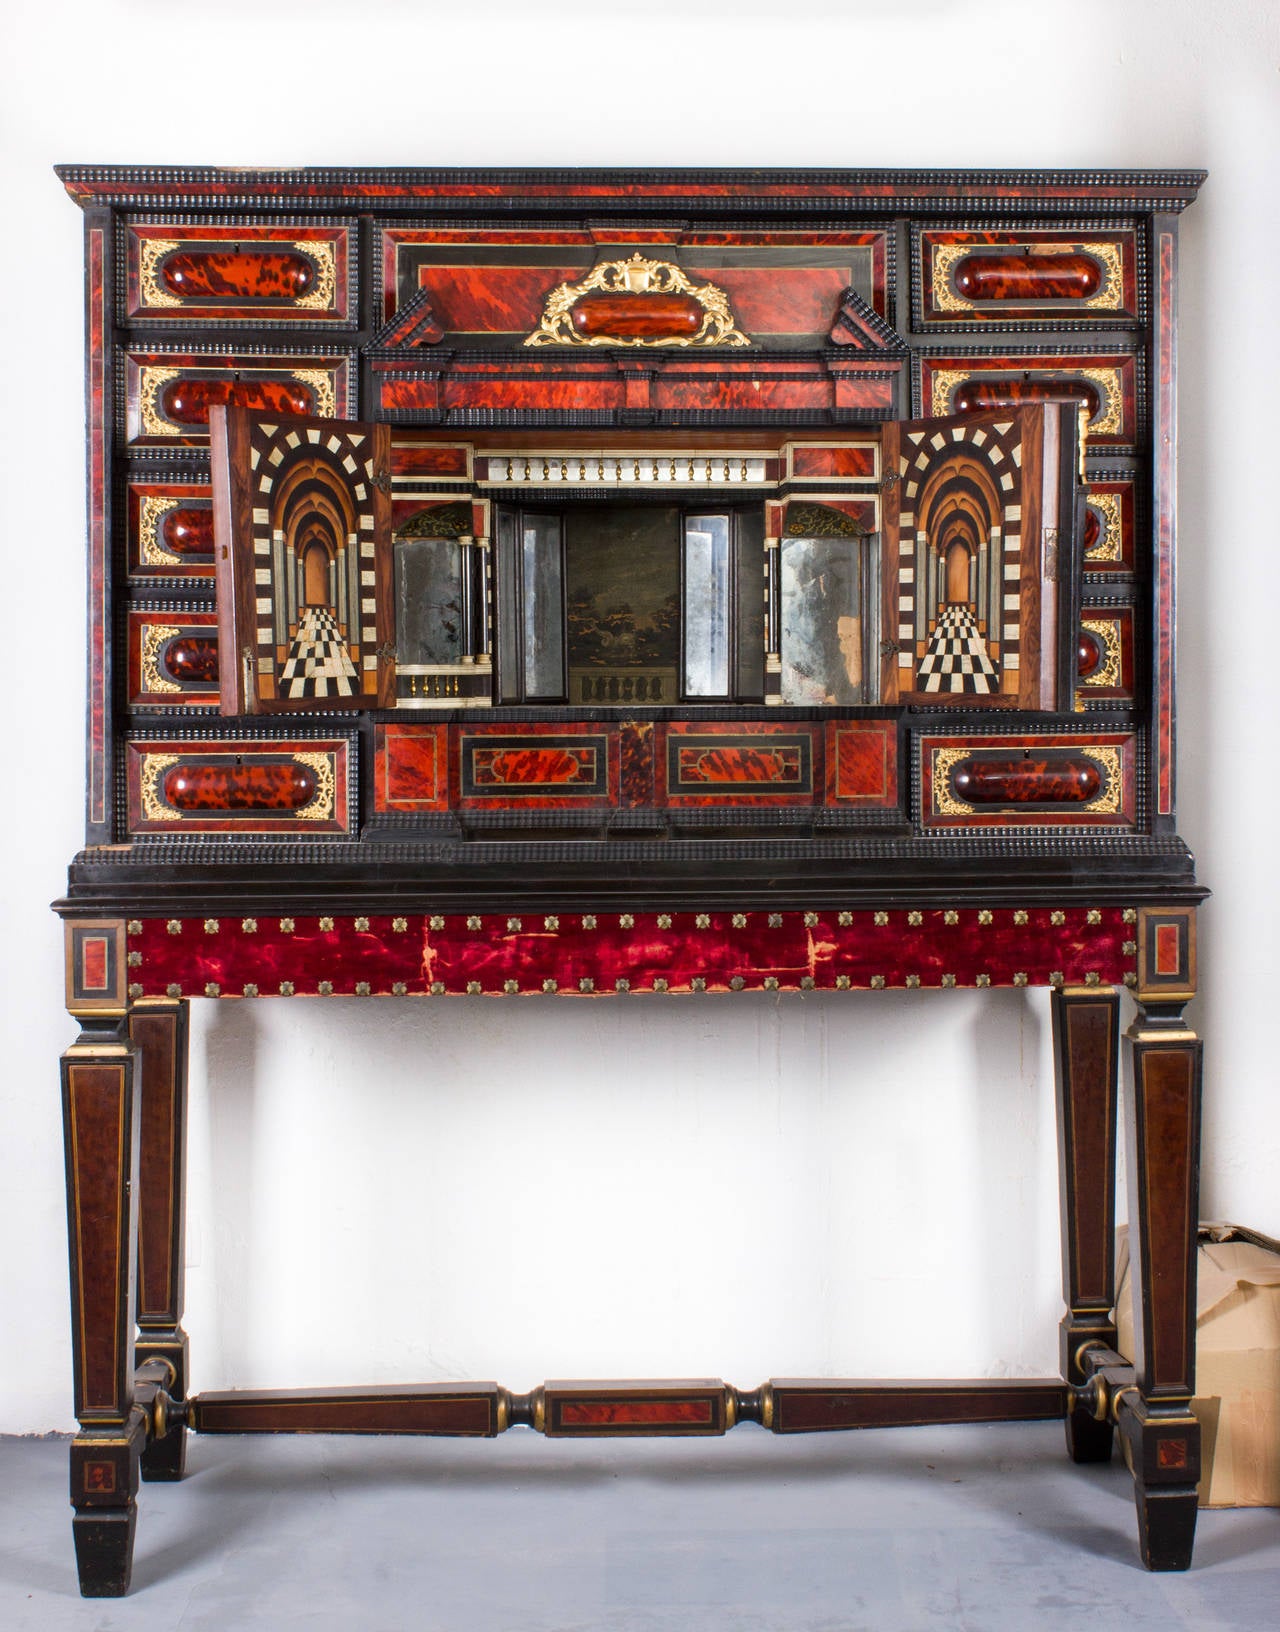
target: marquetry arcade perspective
636 585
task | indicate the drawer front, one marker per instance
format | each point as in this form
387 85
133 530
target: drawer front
173 657
1103 383
1105 655
224 783
168 394
170 529
240 272
752 764
1027 780
538 767
1109 526
1032 277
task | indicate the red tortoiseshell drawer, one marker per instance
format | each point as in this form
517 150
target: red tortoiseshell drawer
290 272
168 393
547 767
1104 384
170 529
1027 780
1035 276
173 657
1108 527
1104 657
220 783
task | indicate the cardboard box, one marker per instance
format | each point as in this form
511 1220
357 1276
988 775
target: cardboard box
1237 1361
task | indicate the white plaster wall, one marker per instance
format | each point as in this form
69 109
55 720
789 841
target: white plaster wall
741 1186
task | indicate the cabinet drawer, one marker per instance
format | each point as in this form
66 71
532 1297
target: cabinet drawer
170 529
168 393
1031 277
220 782
1106 655
1104 383
173 657
234 272
1027 780
1108 526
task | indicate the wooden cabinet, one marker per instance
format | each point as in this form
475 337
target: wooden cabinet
776 571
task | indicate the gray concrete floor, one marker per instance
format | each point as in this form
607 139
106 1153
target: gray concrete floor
968 1529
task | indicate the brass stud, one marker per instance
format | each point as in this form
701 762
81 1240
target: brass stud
1129 948
251 988
1057 916
134 926
1020 979
877 983
948 980
173 989
807 983
511 987
1020 915
842 983
739 920
135 959
1093 916
698 984
915 919
286 926
664 920
736 983
249 926
473 988
135 990
661 983
437 988
589 920
399 925
361 926
983 980
551 923
325 988
1056 980
984 915
437 922
1092 978
881 919
845 920
775 920
586 984
811 920
951 916
913 980
212 989
399 989
326 926
702 921
771 983
550 986
174 926
211 926
473 922
362 988
1130 978
514 926
1130 915
622 984
626 921
286 988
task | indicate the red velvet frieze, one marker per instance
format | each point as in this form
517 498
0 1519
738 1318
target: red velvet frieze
498 953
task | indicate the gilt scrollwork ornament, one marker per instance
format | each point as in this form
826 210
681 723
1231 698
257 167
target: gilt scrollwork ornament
1108 673
637 276
155 637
